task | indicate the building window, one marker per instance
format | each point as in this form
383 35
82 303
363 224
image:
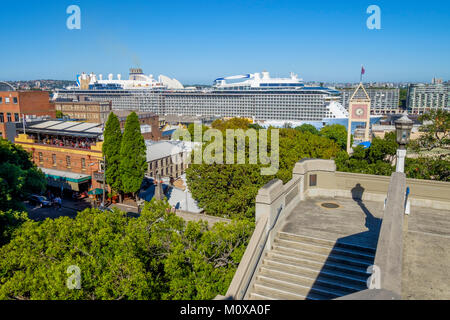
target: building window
68 161
54 159
16 117
1 100
41 158
8 115
15 100
313 180
2 117
83 163
6 100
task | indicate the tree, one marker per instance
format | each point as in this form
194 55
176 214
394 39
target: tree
307 128
336 132
111 150
230 190
436 133
155 256
59 114
233 123
19 177
383 149
132 156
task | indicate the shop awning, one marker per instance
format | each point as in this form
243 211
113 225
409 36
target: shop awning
96 191
65 175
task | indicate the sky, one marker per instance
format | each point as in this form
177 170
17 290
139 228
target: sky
199 41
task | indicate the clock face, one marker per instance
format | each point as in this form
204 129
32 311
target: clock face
359 111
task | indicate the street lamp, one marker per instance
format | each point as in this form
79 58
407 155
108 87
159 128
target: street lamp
403 128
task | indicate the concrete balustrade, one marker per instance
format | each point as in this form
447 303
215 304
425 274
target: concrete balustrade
318 178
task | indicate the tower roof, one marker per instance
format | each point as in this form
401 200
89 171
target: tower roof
360 93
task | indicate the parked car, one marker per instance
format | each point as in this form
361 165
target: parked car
39 200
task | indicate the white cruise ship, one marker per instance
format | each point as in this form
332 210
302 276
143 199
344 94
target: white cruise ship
256 96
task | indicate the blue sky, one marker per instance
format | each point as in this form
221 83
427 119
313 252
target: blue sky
198 41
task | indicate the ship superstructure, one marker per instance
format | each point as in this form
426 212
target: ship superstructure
256 96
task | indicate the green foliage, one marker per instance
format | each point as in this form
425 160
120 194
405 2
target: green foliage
19 177
436 133
233 123
307 128
132 155
154 256
191 130
426 168
336 132
9 221
111 150
375 160
59 114
379 159
229 190
402 98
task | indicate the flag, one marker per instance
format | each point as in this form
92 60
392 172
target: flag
363 70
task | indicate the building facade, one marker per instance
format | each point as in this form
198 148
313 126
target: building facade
149 123
15 104
168 158
425 97
383 100
69 153
89 111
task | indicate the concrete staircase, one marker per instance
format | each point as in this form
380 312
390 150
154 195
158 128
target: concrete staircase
300 267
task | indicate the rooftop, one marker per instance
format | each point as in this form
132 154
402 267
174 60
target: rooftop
62 127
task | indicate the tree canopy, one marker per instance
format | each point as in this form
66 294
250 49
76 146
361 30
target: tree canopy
111 150
336 132
132 155
154 256
230 190
19 177
435 133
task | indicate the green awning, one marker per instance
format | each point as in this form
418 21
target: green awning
65 175
96 191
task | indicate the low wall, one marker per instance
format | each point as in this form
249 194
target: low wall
241 280
191 216
331 183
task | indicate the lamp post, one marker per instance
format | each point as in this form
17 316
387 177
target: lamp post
403 128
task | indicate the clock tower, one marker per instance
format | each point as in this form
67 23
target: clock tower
359 111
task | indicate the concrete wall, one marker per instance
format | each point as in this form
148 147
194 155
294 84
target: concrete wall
331 183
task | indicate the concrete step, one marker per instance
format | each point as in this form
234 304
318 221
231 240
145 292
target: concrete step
275 293
325 242
256 296
297 289
302 285
322 272
298 275
325 250
315 265
320 257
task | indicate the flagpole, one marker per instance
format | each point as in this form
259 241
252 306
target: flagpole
361 74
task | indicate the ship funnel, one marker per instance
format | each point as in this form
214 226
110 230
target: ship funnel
119 76
100 76
110 76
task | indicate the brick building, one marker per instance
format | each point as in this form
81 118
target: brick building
68 152
149 123
89 111
14 104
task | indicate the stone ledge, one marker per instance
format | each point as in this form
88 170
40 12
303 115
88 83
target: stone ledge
306 165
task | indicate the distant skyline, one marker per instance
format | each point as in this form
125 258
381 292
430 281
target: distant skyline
199 41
